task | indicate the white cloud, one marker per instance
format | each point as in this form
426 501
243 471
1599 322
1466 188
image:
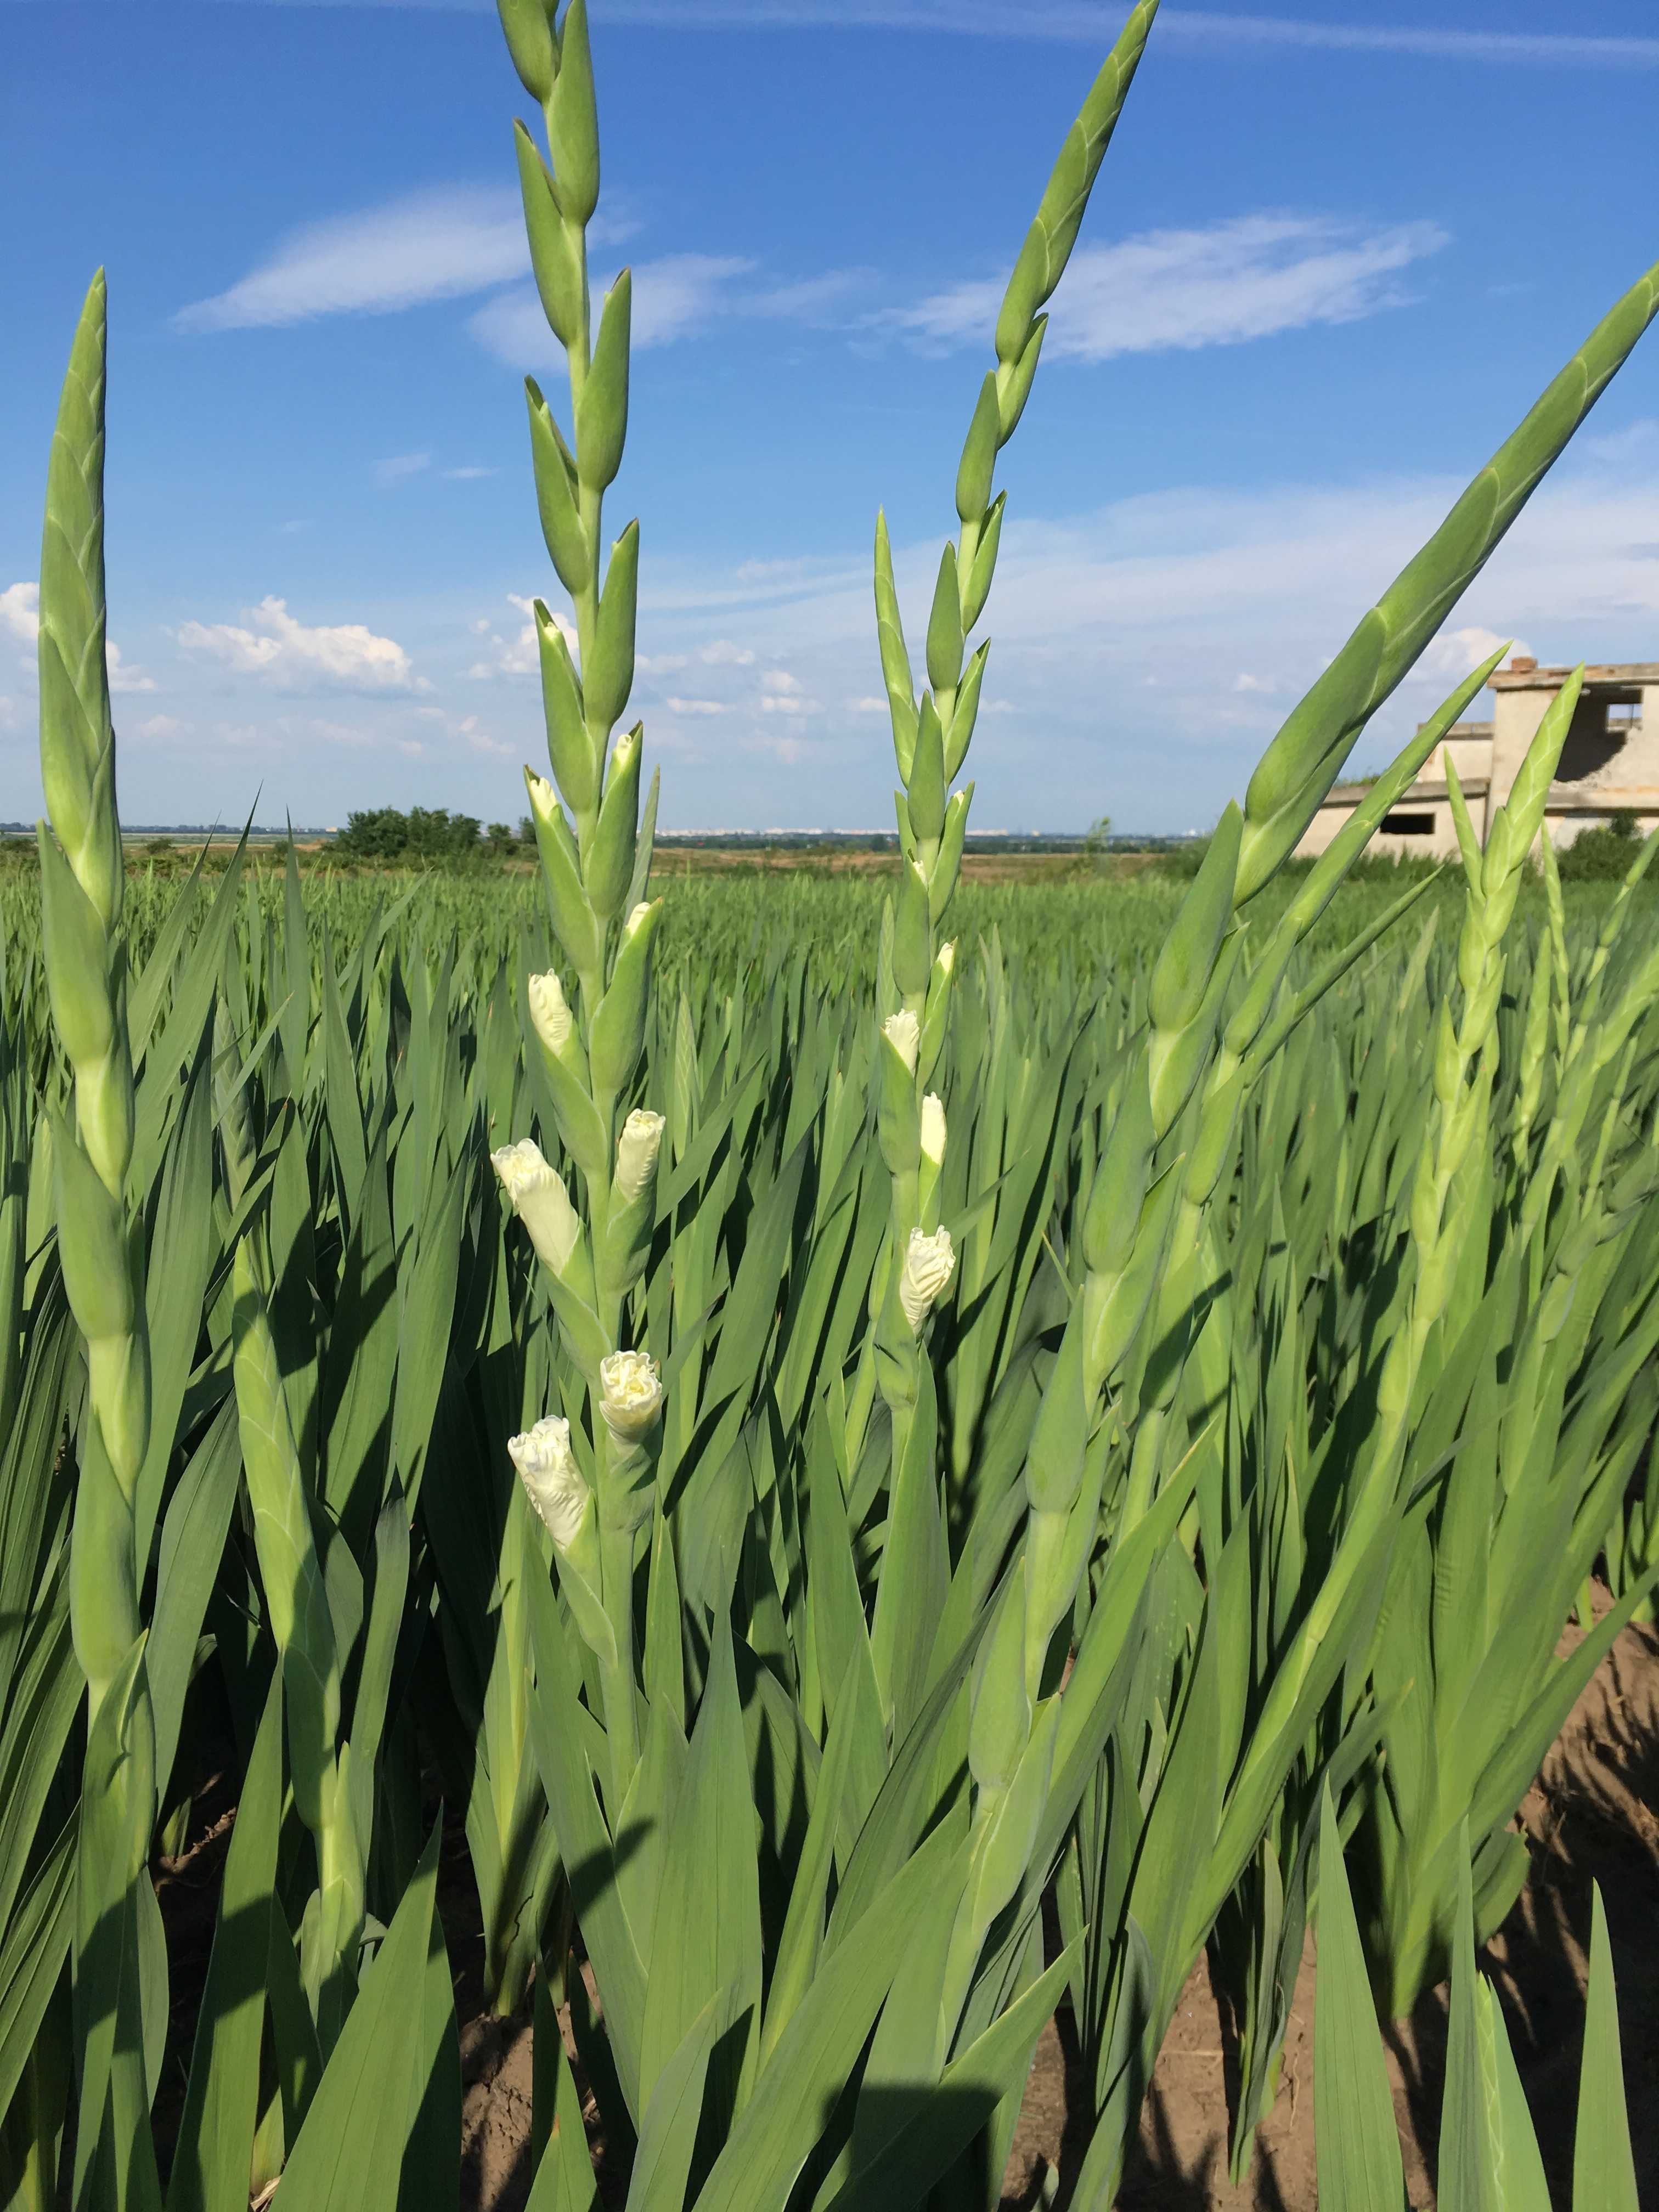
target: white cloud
722 653
1456 654
162 727
780 679
520 654
467 476
20 612
1246 277
123 677
1086 22
696 706
866 706
399 468
269 643
11 716
661 664
433 245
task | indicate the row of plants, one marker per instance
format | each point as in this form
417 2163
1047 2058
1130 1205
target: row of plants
828 1480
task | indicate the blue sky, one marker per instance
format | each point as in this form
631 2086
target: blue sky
1330 261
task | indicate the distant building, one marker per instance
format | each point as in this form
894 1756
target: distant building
1610 762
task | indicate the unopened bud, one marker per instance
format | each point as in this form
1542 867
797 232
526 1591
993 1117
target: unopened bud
636 1152
540 1200
631 1385
550 1011
548 1468
543 799
903 1032
932 1129
929 1263
636 918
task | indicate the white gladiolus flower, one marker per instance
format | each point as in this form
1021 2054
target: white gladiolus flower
548 1467
632 1389
929 1263
945 958
550 1010
631 926
932 1129
903 1032
540 1200
637 1151
543 799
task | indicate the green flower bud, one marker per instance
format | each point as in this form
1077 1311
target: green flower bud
76 959
569 749
895 659
945 643
1054 1464
633 1213
932 1135
92 1243
608 677
573 125
1005 1850
936 1016
529 43
555 501
977 588
979 454
1181 977
1120 1184
574 919
926 802
966 711
602 410
1000 1712
617 1034
557 271
912 932
947 865
898 1124
1027 290
65 749
611 858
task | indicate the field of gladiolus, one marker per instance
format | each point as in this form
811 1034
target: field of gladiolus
798 1493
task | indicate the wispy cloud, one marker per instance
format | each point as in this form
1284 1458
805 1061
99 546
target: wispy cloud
1097 22
399 468
1244 278
467 476
673 297
433 245
290 655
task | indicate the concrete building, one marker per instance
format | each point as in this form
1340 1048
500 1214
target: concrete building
1610 762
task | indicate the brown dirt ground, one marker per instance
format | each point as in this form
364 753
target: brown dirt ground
1590 1817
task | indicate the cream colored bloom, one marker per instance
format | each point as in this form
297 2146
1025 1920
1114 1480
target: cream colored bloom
543 799
637 1151
903 1032
636 916
932 1129
632 1391
550 1012
945 958
548 1468
540 1200
929 1263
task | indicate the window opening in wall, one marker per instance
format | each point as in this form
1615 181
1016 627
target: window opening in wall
1408 825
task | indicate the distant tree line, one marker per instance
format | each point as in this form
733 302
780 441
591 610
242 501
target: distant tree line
426 834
